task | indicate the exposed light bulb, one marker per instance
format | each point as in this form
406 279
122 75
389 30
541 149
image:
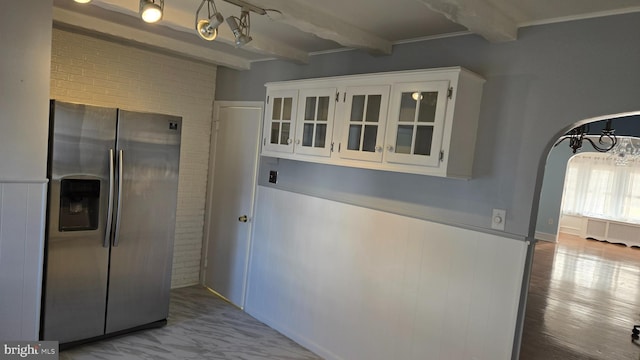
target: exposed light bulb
150 11
151 15
82 1
206 30
416 96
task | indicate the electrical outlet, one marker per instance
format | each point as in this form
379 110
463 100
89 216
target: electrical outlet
273 176
498 219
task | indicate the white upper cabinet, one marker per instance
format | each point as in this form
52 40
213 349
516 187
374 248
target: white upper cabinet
314 127
418 121
279 124
363 120
415 123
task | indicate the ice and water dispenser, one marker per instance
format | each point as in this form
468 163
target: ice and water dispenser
79 204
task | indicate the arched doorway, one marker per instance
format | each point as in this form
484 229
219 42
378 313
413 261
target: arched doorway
583 297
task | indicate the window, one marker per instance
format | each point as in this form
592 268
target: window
596 186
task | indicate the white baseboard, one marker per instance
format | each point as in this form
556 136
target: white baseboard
546 237
570 230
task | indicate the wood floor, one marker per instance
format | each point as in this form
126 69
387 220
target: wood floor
201 326
584 299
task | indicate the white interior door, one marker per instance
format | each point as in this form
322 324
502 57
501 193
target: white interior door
232 183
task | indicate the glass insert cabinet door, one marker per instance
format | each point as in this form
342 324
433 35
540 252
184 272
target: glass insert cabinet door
279 128
364 123
416 121
315 121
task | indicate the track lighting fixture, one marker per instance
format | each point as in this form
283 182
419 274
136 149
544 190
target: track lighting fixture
151 10
250 7
240 27
208 28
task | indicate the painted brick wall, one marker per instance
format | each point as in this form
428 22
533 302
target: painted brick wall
93 71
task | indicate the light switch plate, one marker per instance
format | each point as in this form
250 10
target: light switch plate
273 176
498 219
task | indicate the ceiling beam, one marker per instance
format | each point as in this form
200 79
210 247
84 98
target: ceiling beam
266 46
93 24
177 18
305 18
479 16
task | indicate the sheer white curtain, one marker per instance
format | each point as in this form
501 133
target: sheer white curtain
596 186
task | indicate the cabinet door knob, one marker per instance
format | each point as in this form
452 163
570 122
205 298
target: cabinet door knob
378 148
289 141
389 148
298 142
243 218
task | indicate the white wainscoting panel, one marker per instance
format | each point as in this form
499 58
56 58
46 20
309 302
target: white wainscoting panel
354 283
22 214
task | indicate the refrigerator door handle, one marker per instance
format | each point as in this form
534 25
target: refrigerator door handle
107 227
119 208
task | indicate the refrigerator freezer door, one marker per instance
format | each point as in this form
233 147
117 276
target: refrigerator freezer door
77 263
141 256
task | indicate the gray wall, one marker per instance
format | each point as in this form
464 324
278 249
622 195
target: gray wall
552 188
24 88
537 87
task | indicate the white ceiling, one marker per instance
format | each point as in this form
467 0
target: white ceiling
300 28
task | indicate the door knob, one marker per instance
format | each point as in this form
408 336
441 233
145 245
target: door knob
243 218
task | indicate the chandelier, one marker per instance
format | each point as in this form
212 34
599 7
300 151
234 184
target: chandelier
576 136
627 149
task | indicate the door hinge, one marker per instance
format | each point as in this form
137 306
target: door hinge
331 147
344 98
339 146
441 155
264 142
217 125
267 99
337 96
450 93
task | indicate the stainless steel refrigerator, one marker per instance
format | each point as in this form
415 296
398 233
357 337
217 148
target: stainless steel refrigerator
110 221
